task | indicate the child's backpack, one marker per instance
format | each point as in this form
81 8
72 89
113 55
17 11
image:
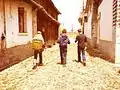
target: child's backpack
63 41
37 44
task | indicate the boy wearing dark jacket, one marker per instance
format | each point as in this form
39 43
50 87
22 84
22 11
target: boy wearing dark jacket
81 39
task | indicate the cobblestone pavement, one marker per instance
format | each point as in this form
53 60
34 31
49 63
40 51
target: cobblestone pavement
97 75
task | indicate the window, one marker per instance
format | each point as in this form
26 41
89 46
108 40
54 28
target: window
85 18
22 20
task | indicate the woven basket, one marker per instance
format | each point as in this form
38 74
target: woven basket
37 44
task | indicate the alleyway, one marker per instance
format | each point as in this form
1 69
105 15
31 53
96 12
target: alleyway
97 75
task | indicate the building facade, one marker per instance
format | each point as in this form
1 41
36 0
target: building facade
103 26
15 22
47 20
21 19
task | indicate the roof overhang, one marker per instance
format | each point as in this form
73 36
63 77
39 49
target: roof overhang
54 7
41 8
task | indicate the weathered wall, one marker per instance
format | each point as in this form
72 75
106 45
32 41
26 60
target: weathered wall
104 50
106 44
1 20
12 28
107 48
12 55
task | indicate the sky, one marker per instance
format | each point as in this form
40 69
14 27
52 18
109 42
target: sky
70 10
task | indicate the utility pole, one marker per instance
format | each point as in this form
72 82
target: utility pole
72 28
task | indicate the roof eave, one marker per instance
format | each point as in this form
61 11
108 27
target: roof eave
40 7
55 7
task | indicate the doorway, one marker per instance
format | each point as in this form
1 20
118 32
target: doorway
3 42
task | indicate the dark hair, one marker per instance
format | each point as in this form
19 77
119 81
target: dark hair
64 31
79 30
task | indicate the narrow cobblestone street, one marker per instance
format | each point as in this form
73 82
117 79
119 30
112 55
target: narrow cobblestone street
25 24
97 75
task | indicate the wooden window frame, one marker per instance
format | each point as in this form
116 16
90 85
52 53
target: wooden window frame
22 20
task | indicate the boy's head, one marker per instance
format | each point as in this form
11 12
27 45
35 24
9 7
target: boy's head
38 32
79 30
64 31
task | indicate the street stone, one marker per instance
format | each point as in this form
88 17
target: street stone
99 74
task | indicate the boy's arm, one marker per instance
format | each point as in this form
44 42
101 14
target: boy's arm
76 39
85 42
58 41
68 41
85 39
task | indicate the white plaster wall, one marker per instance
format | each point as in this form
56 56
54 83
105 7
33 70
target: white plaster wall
12 28
106 20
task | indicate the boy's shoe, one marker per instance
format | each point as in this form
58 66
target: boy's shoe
118 71
34 67
40 64
59 63
84 63
79 61
64 65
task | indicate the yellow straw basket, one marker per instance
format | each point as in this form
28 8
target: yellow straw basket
37 44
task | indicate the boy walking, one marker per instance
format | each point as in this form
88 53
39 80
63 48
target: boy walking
81 40
38 47
63 40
